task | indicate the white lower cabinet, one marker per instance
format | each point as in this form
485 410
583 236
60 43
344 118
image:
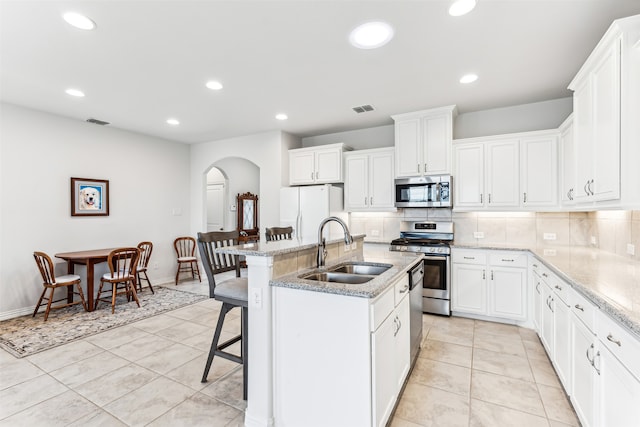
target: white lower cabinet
596 359
350 355
489 283
618 392
583 379
391 363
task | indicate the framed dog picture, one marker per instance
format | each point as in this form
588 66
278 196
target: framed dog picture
89 197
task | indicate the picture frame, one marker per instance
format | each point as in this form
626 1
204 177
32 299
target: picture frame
89 197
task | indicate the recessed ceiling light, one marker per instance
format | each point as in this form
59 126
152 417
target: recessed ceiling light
79 21
282 116
468 78
74 92
173 122
461 7
371 35
214 85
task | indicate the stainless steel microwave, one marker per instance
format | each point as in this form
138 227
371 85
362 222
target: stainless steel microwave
424 192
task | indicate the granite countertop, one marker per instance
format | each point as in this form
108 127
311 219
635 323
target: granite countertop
400 264
278 247
611 282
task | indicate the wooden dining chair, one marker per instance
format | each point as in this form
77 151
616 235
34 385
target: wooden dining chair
145 254
51 282
278 233
186 252
231 292
123 263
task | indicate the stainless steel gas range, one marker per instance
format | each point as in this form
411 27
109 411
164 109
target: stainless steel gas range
433 239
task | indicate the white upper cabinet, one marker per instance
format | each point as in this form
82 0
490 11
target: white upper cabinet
567 162
506 172
502 173
423 142
538 171
316 165
596 104
369 180
468 181
606 106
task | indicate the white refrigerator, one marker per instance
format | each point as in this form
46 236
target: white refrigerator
303 208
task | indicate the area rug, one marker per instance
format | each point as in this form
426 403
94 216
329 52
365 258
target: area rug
26 335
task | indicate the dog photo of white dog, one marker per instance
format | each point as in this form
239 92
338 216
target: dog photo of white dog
89 198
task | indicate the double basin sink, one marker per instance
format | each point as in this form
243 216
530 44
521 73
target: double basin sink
352 273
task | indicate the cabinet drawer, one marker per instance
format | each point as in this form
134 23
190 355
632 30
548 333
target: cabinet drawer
583 309
469 257
401 289
382 307
561 288
624 346
508 259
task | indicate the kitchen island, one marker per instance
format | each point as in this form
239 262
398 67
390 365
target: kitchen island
311 344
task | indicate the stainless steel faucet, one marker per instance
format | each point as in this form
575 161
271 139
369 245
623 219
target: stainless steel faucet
322 251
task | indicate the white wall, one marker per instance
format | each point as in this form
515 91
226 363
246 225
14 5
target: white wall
517 118
148 178
361 139
266 150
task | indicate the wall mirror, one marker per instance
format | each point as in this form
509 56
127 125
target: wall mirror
247 204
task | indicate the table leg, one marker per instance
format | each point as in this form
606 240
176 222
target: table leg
90 265
69 288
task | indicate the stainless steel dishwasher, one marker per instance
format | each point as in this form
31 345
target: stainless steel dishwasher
416 275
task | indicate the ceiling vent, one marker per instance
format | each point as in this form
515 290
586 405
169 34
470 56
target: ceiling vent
363 108
97 122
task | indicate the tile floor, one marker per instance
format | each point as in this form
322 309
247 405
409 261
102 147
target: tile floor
469 373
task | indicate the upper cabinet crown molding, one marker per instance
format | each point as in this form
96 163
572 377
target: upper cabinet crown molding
423 142
316 165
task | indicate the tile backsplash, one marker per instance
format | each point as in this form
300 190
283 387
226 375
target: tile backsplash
611 231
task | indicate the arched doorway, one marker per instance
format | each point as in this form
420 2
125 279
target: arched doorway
225 179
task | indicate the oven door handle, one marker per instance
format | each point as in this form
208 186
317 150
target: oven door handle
435 257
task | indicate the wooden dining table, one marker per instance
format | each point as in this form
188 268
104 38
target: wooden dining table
89 259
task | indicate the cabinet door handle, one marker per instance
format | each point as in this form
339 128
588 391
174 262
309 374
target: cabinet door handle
418 167
571 194
590 189
524 198
550 306
480 197
317 174
311 175
544 275
578 307
365 200
371 201
489 197
589 358
613 340
469 257
404 289
425 168
585 188
538 287
594 362
535 265
484 275
491 274
558 287
507 260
